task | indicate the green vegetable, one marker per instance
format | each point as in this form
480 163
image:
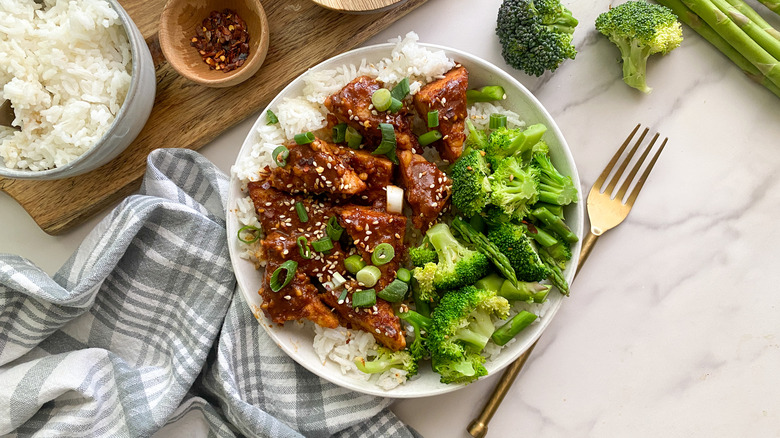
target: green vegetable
353 138
383 253
404 275
387 145
423 254
301 211
322 245
343 296
488 93
339 133
251 228
303 248
486 247
470 183
504 142
386 359
381 99
492 282
514 188
535 35
554 188
363 298
395 105
401 90
287 268
530 292
497 121
422 286
333 229
368 276
429 137
554 223
304 138
354 263
280 155
458 266
514 243
395 292
640 29
461 327
506 332
271 117
433 118
417 348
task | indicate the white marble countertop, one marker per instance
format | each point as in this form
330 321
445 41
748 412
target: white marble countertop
671 328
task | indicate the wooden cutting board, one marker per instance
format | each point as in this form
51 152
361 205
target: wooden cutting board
187 115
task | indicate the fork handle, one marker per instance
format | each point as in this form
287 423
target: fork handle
479 427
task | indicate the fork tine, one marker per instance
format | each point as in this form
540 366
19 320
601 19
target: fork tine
635 169
605 173
624 164
641 181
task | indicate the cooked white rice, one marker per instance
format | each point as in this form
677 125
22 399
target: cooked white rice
341 346
65 67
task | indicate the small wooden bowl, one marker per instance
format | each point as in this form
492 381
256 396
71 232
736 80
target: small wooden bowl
181 18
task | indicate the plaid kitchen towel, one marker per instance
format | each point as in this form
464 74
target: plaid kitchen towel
140 333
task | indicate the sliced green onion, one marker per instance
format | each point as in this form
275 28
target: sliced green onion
301 210
354 263
381 99
401 90
343 296
364 298
353 137
289 266
369 275
334 229
395 105
280 155
394 292
271 117
303 247
387 145
433 118
339 133
497 121
338 279
404 275
250 228
486 94
383 253
304 138
429 137
322 245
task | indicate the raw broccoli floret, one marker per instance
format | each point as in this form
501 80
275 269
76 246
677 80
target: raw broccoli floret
514 187
640 29
535 35
470 184
521 251
461 327
424 275
554 188
423 254
458 266
386 359
505 142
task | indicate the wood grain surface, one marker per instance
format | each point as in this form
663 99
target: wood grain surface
187 115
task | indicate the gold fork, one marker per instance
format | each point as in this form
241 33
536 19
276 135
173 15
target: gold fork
606 210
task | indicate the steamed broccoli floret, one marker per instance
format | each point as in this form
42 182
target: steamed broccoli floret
553 187
505 142
476 139
420 323
640 29
461 327
386 359
514 187
495 215
535 35
424 275
423 254
470 184
458 266
521 251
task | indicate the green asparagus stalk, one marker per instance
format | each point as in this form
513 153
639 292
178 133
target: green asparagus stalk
749 12
773 5
694 22
766 41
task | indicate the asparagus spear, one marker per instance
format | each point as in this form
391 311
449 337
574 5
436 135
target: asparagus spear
753 30
773 5
749 12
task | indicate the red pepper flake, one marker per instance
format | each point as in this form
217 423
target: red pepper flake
222 40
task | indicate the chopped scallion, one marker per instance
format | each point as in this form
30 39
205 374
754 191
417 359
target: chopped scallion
388 144
288 268
383 253
433 118
429 137
322 245
338 279
369 275
301 210
303 248
354 263
394 292
251 228
271 117
343 296
401 90
381 99
364 298
395 105
339 133
353 138
497 121
334 229
404 275
304 138
280 156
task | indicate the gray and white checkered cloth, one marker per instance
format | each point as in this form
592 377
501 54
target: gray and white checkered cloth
141 333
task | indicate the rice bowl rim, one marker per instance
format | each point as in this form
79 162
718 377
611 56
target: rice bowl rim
127 25
295 339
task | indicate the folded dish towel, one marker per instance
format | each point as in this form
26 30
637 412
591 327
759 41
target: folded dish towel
141 333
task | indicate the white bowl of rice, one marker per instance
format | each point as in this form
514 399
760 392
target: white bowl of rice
81 80
330 353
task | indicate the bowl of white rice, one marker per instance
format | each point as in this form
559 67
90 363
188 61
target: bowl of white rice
330 353
81 81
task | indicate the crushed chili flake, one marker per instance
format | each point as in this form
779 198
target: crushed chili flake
222 40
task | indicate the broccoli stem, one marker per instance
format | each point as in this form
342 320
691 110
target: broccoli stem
694 22
753 30
483 245
555 223
416 319
529 137
422 306
737 38
506 332
492 282
634 64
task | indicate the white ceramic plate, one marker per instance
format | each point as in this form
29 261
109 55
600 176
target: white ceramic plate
296 339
